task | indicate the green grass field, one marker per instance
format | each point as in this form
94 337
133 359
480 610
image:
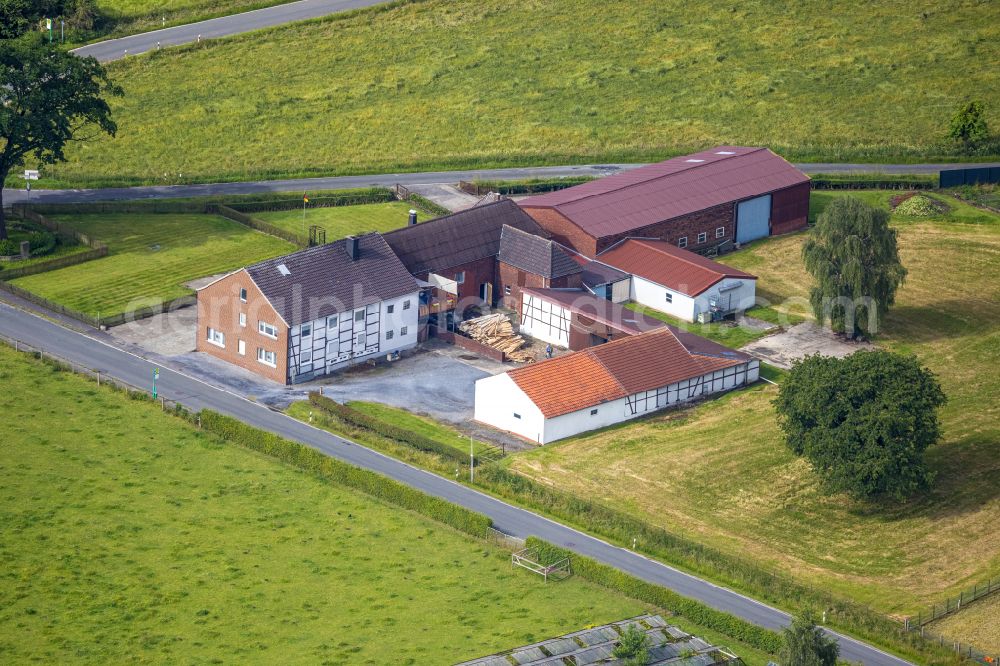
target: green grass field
154 542
150 258
340 221
725 333
419 86
720 473
976 624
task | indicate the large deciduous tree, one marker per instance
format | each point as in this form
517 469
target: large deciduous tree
48 97
807 645
852 254
863 421
968 125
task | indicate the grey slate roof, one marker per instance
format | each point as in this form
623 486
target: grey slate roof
324 280
459 238
535 254
595 274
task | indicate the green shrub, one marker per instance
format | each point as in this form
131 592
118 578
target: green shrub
697 612
368 482
921 206
9 248
365 422
41 243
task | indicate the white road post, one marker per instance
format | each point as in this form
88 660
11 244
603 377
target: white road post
472 462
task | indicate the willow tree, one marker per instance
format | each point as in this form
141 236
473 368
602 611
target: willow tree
853 257
48 97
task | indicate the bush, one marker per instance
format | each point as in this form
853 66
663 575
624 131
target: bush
331 469
365 422
919 205
9 248
630 586
41 243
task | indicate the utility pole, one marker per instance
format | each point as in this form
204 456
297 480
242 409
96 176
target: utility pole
305 200
62 31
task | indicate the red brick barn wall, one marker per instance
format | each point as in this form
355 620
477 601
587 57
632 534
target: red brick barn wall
564 231
581 328
515 278
219 307
690 225
790 209
476 273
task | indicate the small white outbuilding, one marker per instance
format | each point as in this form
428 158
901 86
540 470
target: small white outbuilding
610 383
681 283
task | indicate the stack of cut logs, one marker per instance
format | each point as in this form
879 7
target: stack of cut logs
495 330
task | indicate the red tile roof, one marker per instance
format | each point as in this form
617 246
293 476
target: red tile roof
679 186
645 362
668 265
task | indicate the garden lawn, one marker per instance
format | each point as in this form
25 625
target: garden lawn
726 333
127 535
150 258
720 472
341 221
420 86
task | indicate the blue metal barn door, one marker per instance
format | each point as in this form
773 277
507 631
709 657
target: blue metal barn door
753 219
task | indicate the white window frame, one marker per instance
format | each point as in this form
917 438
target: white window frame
403 330
216 337
332 347
720 232
389 308
669 296
243 319
406 304
359 315
263 327
243 294
306 356
460 277
703 237
389 334
306 330
332 321
262 355
506 290
682 241
241 347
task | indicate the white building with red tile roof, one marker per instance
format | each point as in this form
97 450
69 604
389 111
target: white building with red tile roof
609 384
678 282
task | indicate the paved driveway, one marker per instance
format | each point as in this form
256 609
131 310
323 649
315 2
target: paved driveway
802 340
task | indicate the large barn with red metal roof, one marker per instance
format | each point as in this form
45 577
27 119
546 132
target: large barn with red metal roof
610 383
708 201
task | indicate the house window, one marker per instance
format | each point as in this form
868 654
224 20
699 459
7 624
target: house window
593 412
217 338
332 348
506 290
306 330
307 356
460 277
702 237
242 347
331 321
406 304
402 331
389 308
516 415
267 357
669 297
720 232
682 241
360 340
388 335
243 294
270 330
359 315
243 319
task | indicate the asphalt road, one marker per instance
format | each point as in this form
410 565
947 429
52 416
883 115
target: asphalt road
90 350
113 49
425 178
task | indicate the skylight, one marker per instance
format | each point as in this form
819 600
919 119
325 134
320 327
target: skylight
694 161
724 152
283 269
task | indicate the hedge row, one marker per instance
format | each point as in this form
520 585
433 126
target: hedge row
627 584
253 223
348 198
427 205
368 482
872 182
531 186
738 572
379 427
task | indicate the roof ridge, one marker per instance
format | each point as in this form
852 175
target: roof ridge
449 215
753 149
680 256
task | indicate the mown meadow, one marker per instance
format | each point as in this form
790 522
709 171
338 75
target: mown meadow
720 473
128 535
461 83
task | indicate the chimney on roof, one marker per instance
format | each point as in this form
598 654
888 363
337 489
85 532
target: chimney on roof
413 217
352 248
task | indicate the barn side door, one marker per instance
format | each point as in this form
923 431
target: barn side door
753 219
